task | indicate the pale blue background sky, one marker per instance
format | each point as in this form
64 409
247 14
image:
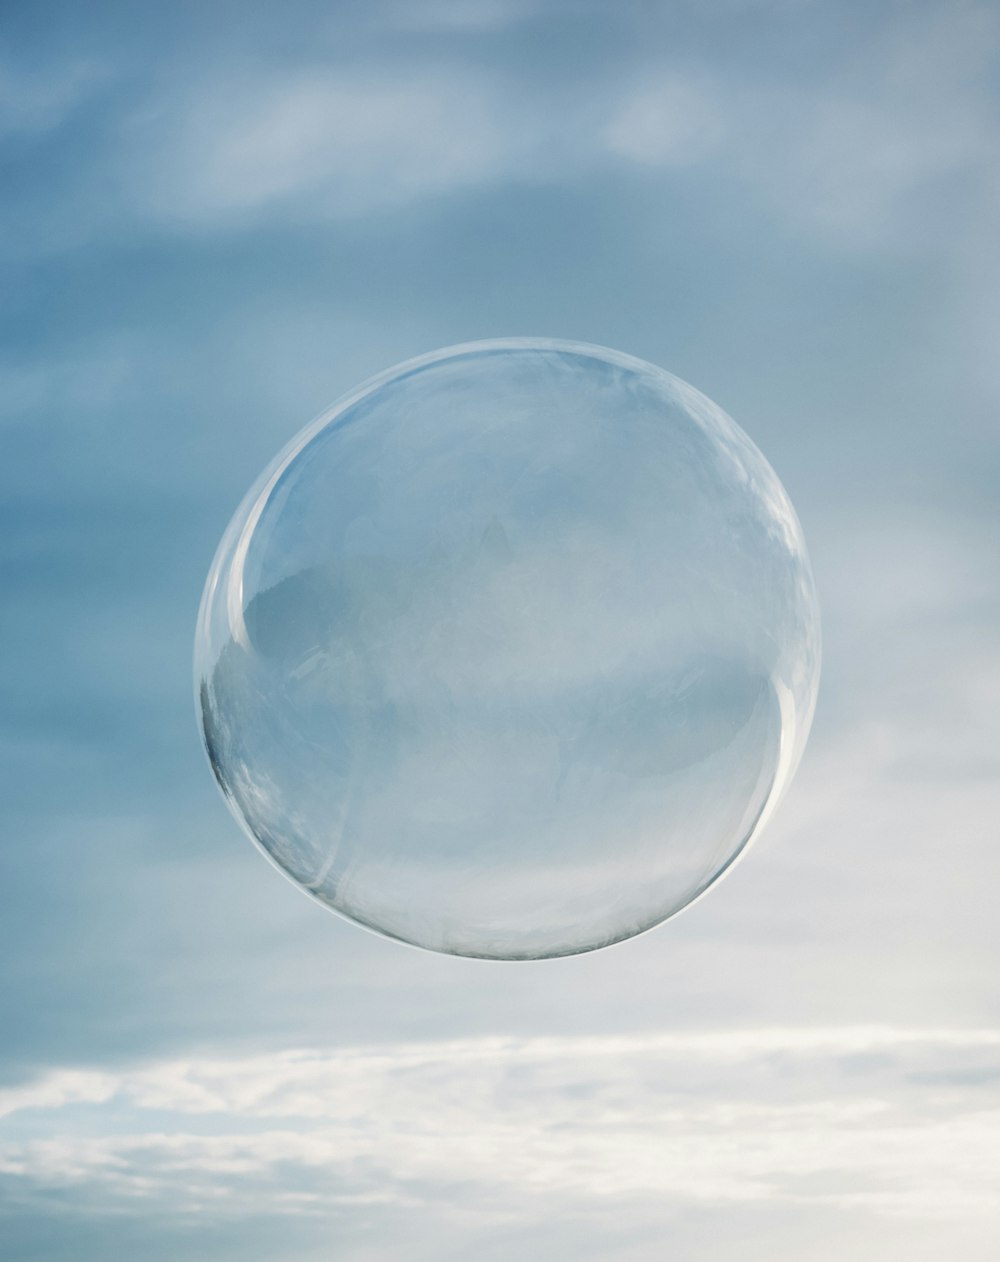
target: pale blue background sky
216 218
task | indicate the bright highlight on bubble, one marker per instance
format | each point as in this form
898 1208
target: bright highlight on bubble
512 652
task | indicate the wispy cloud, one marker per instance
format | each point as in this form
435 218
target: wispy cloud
35 101
335 143
847 154
862 154
742 1115
671 121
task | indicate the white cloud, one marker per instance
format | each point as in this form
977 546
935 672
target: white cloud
671 122
334 142
894 1119
68 1086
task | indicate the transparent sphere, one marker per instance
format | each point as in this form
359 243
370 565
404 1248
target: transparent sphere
512 652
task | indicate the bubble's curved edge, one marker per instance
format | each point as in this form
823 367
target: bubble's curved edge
255 499
767 808
589 948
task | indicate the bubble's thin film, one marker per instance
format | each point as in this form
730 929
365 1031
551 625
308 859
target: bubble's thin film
512 652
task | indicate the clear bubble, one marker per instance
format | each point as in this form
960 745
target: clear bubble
512 652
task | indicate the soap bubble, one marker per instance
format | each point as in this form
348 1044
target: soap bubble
512 652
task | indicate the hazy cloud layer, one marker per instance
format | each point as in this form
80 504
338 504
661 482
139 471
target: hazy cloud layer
891 1121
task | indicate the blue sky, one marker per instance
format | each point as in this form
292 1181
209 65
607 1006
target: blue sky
214 220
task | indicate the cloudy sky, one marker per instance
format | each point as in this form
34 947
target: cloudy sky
216 218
